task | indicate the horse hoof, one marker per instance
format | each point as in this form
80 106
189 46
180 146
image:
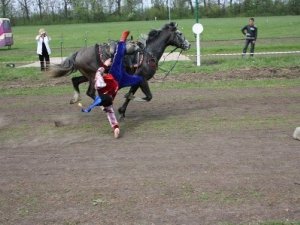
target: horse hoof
73 101
121 118
147 99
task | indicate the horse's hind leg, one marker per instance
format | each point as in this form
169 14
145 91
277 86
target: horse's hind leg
91 92
76 81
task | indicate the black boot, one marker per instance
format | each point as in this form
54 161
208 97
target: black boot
47 65
42 65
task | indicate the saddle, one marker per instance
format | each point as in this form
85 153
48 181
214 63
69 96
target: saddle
131 61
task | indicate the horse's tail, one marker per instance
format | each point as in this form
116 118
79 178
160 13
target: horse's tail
65 68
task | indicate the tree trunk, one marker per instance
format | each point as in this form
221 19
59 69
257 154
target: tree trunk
142 5
66 8
25 7
4 4
119 7
191 5
40 7
3 8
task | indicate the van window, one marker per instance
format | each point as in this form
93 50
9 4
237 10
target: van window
6 26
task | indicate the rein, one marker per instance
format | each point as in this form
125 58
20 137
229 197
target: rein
167 72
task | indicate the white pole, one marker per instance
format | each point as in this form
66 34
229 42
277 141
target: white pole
198 50
197 29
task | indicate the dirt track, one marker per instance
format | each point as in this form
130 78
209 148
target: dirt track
188 157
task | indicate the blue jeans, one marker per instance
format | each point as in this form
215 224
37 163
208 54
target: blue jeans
118 71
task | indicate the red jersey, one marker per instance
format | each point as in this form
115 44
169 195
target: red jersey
111 87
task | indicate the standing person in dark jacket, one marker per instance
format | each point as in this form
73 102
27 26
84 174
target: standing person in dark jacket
250 31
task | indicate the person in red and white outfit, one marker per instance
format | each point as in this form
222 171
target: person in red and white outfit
108 84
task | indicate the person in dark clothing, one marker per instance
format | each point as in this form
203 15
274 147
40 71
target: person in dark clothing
250 31
43 49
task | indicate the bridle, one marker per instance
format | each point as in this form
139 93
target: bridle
182 46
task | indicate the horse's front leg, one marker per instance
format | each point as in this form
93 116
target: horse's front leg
128 96
146 90
76 81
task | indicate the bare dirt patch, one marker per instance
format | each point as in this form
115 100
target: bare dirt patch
190 156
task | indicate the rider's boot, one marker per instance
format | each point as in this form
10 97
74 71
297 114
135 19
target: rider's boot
42 65
124 36
47 65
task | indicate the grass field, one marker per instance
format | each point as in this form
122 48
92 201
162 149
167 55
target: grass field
225 30
275 34
214 145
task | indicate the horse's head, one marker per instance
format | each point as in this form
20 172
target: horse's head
177 38
172 35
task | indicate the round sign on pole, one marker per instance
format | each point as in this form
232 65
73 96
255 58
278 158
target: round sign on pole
197 28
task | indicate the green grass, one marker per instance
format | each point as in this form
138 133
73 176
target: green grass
11 74
267 83
211 65
34 91
67 89
73 35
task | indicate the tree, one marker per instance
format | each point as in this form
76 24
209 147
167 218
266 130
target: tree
130 5
204 4
25 7
294 7
191 5
66 3
39 3
96 9
118 2
4 7
157 4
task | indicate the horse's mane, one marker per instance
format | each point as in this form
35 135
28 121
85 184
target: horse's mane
154 33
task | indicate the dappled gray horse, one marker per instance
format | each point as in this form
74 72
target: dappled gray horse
85 61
